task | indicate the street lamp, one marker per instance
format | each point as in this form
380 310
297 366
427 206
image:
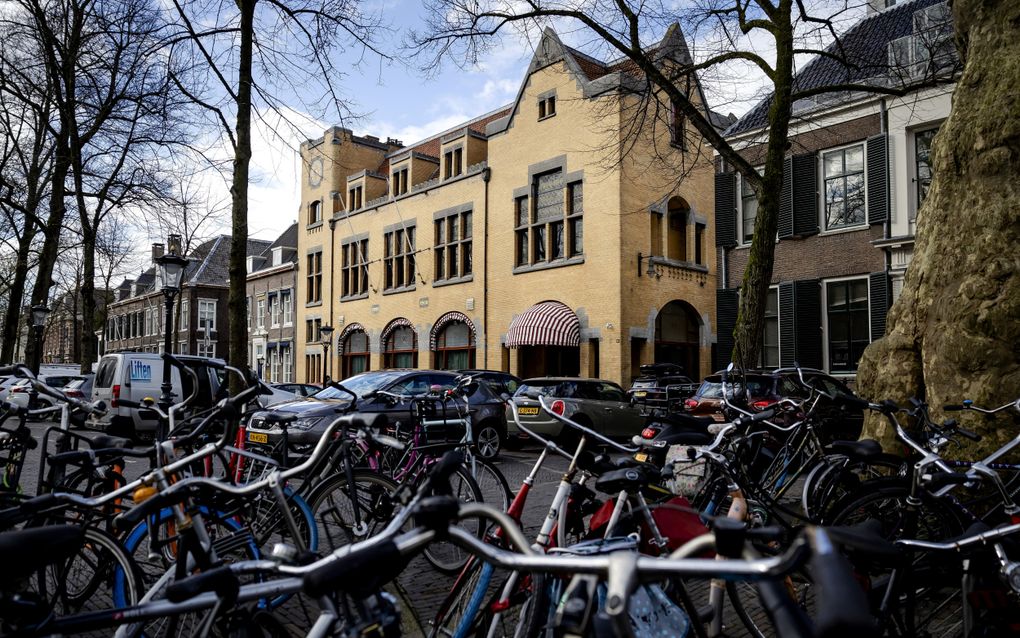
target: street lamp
39 314
171 271
325 332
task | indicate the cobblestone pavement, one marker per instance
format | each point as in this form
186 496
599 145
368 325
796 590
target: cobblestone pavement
420 587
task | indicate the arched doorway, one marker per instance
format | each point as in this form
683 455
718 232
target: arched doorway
548 338
453 342
354 351
400 344
677 337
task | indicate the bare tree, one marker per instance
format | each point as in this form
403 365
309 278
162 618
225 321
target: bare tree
257 53
767 36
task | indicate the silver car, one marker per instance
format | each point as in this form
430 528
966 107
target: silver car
601 405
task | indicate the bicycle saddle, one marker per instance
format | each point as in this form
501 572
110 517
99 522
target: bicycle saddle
629 479
866 449
24 551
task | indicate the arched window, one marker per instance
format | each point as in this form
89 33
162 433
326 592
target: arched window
400 345
453 342
354 353
676 229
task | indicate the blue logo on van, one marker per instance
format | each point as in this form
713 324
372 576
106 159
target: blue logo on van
141 371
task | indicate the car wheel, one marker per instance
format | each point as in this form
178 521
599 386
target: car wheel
488 441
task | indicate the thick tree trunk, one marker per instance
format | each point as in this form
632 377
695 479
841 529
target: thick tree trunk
237 321
754 289
88 304
14 314
953 334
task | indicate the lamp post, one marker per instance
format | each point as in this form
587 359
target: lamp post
171 270
325 332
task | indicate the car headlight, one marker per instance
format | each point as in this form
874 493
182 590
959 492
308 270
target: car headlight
306 423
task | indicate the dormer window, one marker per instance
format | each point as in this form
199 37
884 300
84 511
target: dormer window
400 182
454 162
546 106
314 212
354 198
277 255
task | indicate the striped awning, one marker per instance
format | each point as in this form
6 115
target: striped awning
399 322
346 332
445 320
549 323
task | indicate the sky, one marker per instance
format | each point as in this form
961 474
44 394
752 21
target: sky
396 100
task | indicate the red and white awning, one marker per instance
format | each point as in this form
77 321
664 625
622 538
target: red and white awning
549 323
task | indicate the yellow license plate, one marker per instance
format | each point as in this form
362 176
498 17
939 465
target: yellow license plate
527 411
640 394
641 456
258 437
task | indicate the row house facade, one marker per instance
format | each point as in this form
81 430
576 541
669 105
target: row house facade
525 240
135 320
63 335
271 284
856 174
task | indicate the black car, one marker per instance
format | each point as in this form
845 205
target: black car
765 387
315 413
500 382
661 385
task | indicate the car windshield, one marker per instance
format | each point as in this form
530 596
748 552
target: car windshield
74 384
643 383
360 384
537 387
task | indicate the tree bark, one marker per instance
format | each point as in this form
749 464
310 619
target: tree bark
953 333
15 308
88 344
237 322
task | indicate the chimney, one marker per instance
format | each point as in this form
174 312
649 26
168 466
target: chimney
392 141
157 251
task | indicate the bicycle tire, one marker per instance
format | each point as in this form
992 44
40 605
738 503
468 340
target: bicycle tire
445 556
835 477
332 509
492 483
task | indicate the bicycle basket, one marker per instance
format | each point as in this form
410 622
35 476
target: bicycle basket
440 431
687 475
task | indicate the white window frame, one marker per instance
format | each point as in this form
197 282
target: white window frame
288 306
274 310
274 366
740 208
288 366
820 159
185 314
260 312
825 321
779 331
206 302
913 204
202 351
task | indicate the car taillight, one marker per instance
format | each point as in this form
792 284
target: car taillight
761 405
649 433
74 393
558 407
116 395
20 388
690 404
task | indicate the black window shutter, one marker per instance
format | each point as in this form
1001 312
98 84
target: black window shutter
878 179
807 300
787 323
726 302
786 201
725 210
805 195
880 298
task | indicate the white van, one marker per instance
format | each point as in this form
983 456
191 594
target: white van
136 375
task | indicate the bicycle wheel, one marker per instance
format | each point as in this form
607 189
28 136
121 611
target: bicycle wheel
835 477
444 555
99 576
332 508
491 482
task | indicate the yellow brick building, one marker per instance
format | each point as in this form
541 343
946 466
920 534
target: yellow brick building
568 233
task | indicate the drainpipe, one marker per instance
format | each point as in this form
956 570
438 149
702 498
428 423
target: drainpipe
332 256
486 177
887 227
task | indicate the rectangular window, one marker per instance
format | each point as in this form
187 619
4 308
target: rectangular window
398 258
770 347
848 323
699 244
274 311
314 278
314 212
185 314
677 127
288 364
260 313
207 315
922 164
554 228
400 182
547 107
354 268
354 201
203 350
454 162
452 248
312 327
748 211
288 308
844 187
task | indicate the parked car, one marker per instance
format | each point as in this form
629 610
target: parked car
765 387
601 405
315 413
80 389
500 382
19 391
662 386
300 389
279 395
136 375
